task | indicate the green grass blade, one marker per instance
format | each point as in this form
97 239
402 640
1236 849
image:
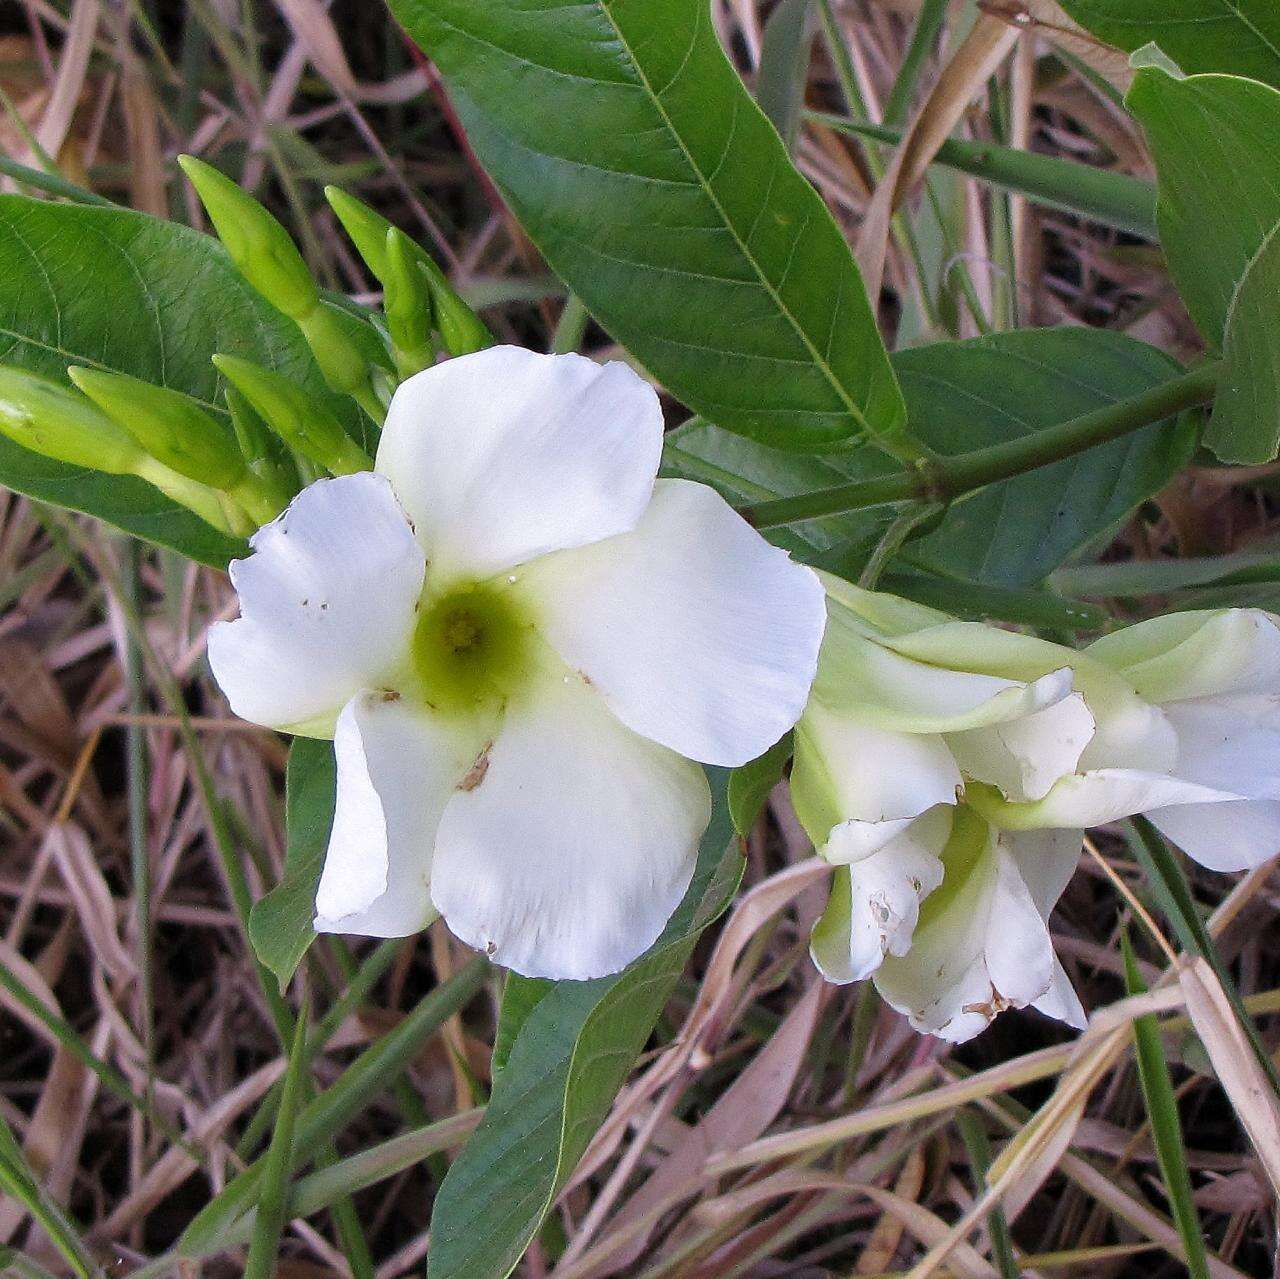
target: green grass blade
1172 891
978 1147
277 1164
1114 199
1166 1127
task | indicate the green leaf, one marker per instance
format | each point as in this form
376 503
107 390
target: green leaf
962 396
570 1058
1213 138
520 996
280 922
1239 36
658 191
1166 1128
749 786
1245 426
117 290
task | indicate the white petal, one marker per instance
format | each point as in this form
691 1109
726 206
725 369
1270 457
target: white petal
1025 756
397 768
696 632
847 770
1103 795
1230 836
982 944
1047 859
568 856
1229 743
1205 654
900 693
885 888
1060 1001
506 454
326 606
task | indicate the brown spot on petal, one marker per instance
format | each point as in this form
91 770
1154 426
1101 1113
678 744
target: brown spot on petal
992 1008
476 774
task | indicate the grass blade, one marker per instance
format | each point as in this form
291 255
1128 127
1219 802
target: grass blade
277 1163
1114 199
1166 1127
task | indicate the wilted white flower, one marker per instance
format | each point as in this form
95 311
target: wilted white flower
1201 758
519 641
885 750
981 942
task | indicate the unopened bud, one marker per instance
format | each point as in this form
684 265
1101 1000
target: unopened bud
407 306
262 250
58 422
298 418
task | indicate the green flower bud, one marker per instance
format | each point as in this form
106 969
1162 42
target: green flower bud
55 421
263 450
298 418
263 251
58 422
367 229
407 306
344 365
461 330
168 424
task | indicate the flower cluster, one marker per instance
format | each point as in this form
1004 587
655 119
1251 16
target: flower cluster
948 769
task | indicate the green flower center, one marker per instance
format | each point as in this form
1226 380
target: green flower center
471 646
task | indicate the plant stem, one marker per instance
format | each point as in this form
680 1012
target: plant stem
942 479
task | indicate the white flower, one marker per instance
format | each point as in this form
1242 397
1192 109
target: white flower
982 943
1202 759
890 742
519 641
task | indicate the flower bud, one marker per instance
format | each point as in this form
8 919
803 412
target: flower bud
407 306
262 250
57 422
461 330
168 424
299 419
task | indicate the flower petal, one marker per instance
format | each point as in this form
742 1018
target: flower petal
847 770
1099 796
982 944
696 632
883 888
571 851
1025 756
326 606
1198 654
1229 743
1228 836
506 454
397 768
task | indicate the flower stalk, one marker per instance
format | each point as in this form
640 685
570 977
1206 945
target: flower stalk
943 479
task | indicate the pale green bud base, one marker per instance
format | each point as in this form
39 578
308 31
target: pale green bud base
210 505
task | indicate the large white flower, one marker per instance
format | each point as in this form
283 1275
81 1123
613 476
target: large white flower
1203 761
519 641
890 742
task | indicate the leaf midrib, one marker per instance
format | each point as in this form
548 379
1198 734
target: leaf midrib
818 359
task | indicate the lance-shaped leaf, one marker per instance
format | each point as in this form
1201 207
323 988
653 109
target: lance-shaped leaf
657 189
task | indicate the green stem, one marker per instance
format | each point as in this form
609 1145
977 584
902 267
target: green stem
942 479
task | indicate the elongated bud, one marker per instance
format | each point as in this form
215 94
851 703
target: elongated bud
461 330
265 254
407 305
298 418
367 229
58 422
263 251
169 425
263 450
